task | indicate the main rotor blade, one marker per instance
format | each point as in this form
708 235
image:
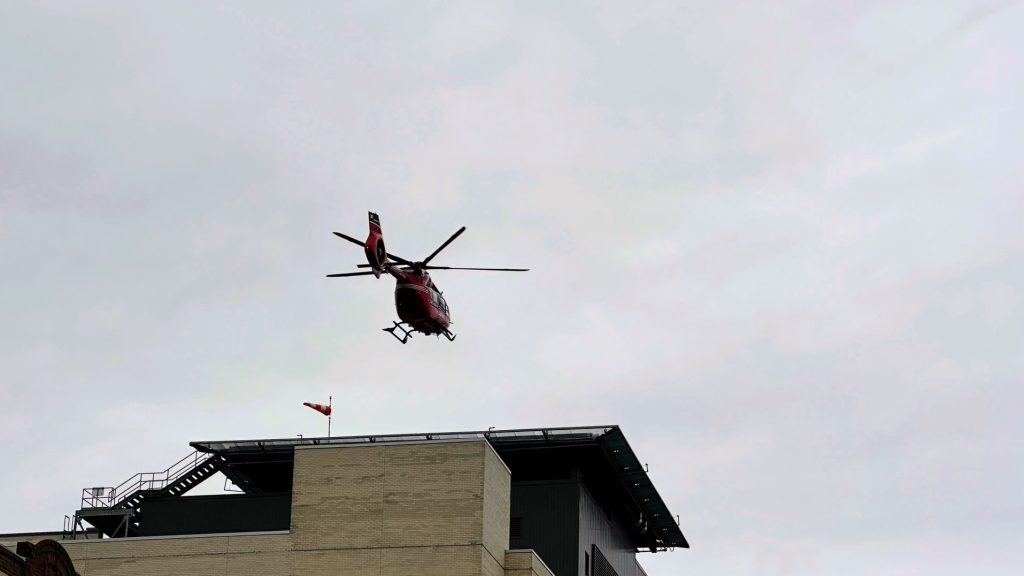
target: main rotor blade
402 261
350 239
347 274
399 259
488 269
442 247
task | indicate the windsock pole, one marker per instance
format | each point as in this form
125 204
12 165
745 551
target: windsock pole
329 400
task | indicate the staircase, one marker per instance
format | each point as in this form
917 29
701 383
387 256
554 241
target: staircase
115 510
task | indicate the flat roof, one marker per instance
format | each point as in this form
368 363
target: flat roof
660 530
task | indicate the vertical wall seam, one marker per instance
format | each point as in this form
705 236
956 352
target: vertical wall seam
383 508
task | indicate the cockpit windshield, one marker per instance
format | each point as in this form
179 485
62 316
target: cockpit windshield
437 299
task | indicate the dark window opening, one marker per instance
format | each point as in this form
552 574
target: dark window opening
516 527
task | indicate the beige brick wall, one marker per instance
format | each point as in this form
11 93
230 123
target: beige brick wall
497 489
525 563
338 498
433 494
355 562
428 509
265 554
489 565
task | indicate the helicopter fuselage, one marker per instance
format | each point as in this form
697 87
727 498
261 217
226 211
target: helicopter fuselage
419 302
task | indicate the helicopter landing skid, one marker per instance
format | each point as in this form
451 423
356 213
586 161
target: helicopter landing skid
448 334
406 334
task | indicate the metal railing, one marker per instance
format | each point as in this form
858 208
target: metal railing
111 497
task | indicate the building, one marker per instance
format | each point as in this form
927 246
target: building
556 501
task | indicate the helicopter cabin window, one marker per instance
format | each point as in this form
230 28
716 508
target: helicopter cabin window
437 301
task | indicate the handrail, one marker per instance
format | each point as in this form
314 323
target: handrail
112 497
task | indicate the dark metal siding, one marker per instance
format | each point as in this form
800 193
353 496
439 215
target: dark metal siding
603 528
600 566
215 514
548 522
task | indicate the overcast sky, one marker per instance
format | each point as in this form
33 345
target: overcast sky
779 243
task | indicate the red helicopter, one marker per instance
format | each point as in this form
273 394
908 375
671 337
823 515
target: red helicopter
419 302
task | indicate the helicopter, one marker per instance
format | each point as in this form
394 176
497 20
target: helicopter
419 302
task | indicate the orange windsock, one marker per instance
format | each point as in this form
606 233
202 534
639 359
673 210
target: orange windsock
325 410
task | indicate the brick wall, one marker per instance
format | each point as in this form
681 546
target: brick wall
525 563
259 555
497 490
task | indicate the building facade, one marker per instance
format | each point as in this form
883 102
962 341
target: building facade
556 502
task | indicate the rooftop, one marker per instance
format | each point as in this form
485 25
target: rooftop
602 458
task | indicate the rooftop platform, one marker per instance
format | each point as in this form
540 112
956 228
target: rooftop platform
599 456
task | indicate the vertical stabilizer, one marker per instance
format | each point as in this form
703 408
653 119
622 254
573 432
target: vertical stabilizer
376 252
